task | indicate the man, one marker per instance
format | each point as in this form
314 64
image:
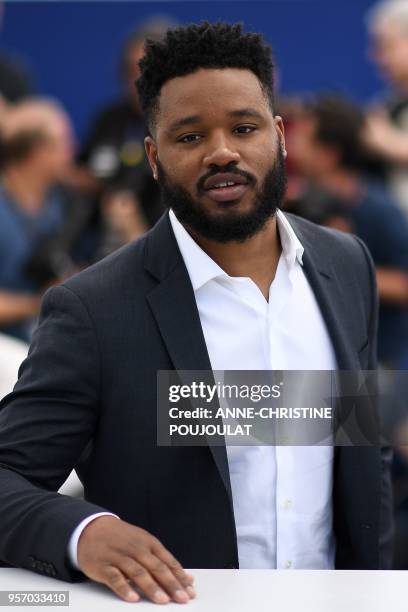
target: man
225 281
116 135
387 128
114 145
327 149
35 209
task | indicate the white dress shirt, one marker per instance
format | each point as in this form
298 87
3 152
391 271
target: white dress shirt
282 496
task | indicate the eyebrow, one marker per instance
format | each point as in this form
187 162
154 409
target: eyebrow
192 119
177 125
246 112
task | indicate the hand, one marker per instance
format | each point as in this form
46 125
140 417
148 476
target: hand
386 139
113 552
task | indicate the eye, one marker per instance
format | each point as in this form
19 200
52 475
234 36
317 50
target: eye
189 138
245 129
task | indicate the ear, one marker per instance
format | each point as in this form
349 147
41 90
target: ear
151 152
280 128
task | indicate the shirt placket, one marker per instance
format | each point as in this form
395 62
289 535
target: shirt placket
284 500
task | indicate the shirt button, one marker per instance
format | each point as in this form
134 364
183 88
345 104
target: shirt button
288 564
287 504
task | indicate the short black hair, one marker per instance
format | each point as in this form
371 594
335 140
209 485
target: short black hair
206 45
340 124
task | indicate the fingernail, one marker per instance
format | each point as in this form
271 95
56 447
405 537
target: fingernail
181 595
132 596
191 591
161 597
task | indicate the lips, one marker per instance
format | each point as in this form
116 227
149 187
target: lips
223 180
226 187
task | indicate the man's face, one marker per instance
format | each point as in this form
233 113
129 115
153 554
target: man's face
390 51
52 157
217 150
56 154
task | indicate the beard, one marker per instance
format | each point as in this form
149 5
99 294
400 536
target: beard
232 225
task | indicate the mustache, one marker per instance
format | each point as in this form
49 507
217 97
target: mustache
251 180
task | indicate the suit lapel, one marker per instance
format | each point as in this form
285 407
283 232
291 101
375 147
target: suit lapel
329 294
174 308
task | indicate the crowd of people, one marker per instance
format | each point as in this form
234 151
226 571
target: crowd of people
63 207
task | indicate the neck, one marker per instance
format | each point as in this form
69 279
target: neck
26 187
343 182
256 258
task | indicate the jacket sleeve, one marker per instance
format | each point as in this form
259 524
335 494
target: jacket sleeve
45 424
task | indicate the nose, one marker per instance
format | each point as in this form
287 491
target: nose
221 151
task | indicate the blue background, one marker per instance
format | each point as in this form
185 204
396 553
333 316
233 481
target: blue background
73 47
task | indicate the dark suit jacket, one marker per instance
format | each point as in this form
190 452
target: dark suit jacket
86 398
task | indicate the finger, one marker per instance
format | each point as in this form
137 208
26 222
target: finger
164 555
143 579
116 581
175 566
164 575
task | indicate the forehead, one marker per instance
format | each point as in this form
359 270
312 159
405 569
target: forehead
390 29
28 117
210 92
58 125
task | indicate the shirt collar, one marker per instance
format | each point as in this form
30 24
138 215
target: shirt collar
292 248
201 268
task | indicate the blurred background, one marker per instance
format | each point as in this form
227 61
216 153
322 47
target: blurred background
75 184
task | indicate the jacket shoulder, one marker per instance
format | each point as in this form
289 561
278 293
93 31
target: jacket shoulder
117 270
335 242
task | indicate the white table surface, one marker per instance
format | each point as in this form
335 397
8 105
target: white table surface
240 591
